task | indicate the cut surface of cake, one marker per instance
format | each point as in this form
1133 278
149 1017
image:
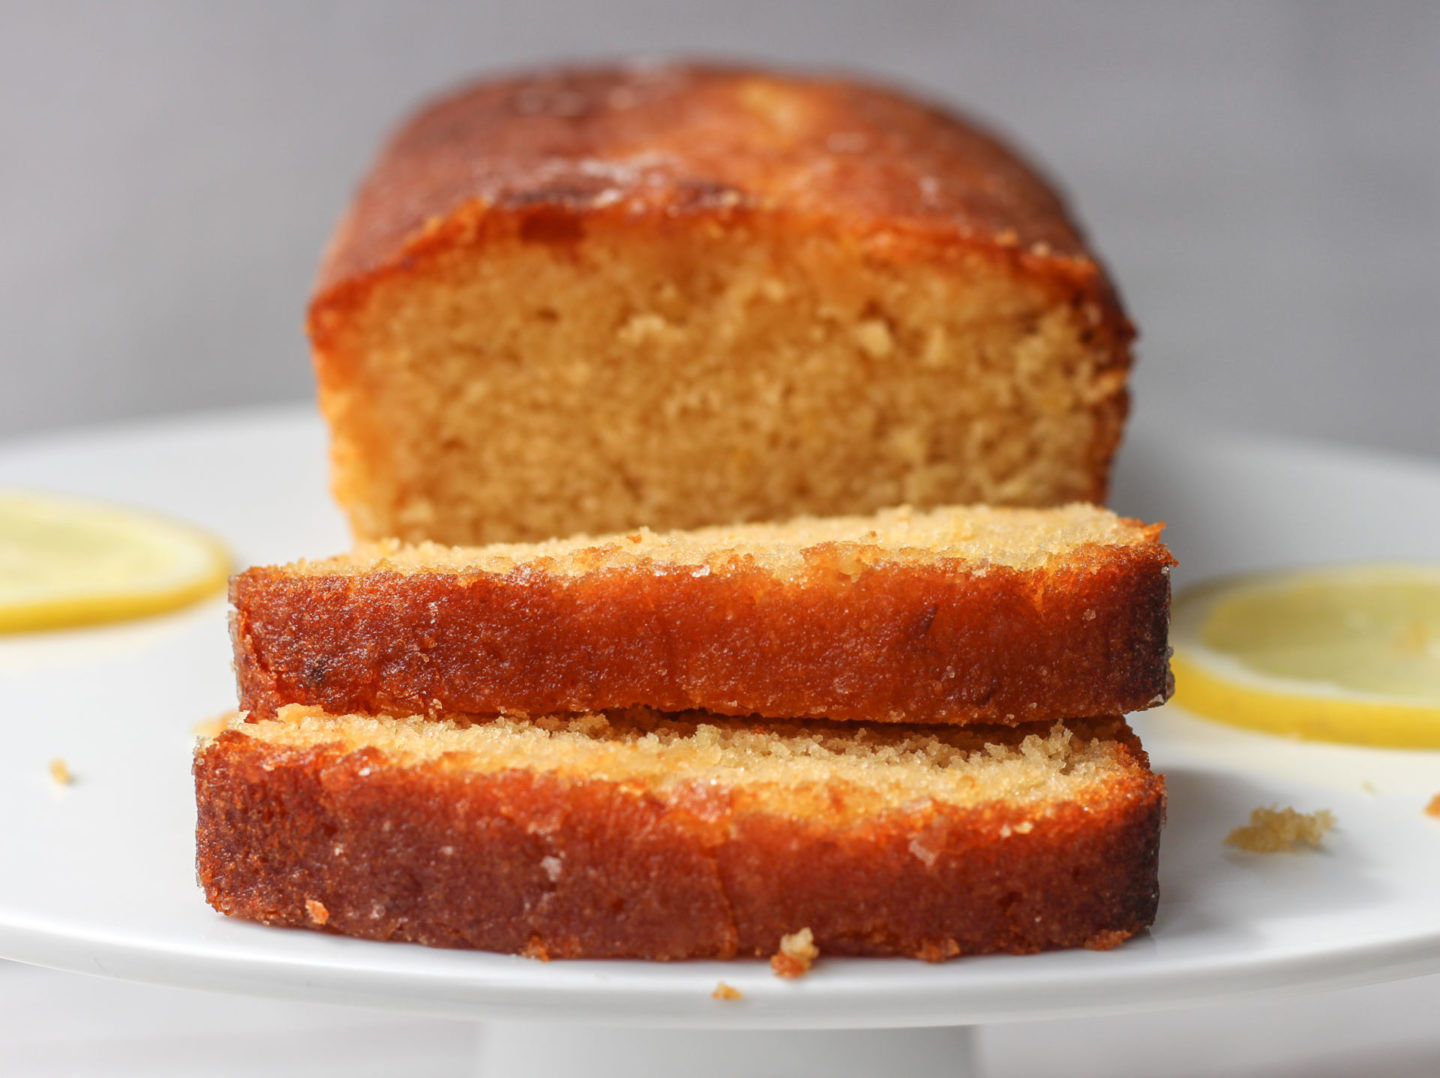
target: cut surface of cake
637 834
671 295
945 616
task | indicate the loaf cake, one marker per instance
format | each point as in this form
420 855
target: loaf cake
673 295
952 615
639 835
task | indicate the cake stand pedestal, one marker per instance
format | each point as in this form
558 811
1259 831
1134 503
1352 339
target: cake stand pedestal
545 1050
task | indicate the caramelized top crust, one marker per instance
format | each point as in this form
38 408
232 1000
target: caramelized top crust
959 615
971 538
835 772
662 141
691 838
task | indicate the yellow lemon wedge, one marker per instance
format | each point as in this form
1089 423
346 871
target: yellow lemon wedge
66 562
1344 653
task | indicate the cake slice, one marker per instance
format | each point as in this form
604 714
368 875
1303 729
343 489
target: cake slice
949 616
641 835
589 299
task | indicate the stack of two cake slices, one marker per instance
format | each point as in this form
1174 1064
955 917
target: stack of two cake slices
901 732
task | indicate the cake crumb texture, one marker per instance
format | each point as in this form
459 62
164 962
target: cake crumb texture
726 992
1274 830
676 295
796 954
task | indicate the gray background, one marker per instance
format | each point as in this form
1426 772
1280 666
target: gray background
1264 179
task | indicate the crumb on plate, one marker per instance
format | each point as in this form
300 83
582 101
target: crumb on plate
1433 808
726 991
60 772
1106 941
797 951
1272 830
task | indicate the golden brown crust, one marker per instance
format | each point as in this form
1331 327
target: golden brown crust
540 151
893 642
523 861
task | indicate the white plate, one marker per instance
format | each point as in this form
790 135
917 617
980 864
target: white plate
98 877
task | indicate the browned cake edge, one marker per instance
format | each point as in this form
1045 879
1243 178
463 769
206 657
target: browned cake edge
893 643
540 151
523 861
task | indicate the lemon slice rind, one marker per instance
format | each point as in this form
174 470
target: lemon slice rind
1216 685
67 562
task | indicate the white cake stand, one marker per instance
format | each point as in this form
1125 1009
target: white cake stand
98 877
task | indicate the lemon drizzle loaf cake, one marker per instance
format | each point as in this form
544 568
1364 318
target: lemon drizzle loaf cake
659 837
948 616
675 295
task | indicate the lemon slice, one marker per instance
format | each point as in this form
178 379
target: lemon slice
1346 653
67 562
